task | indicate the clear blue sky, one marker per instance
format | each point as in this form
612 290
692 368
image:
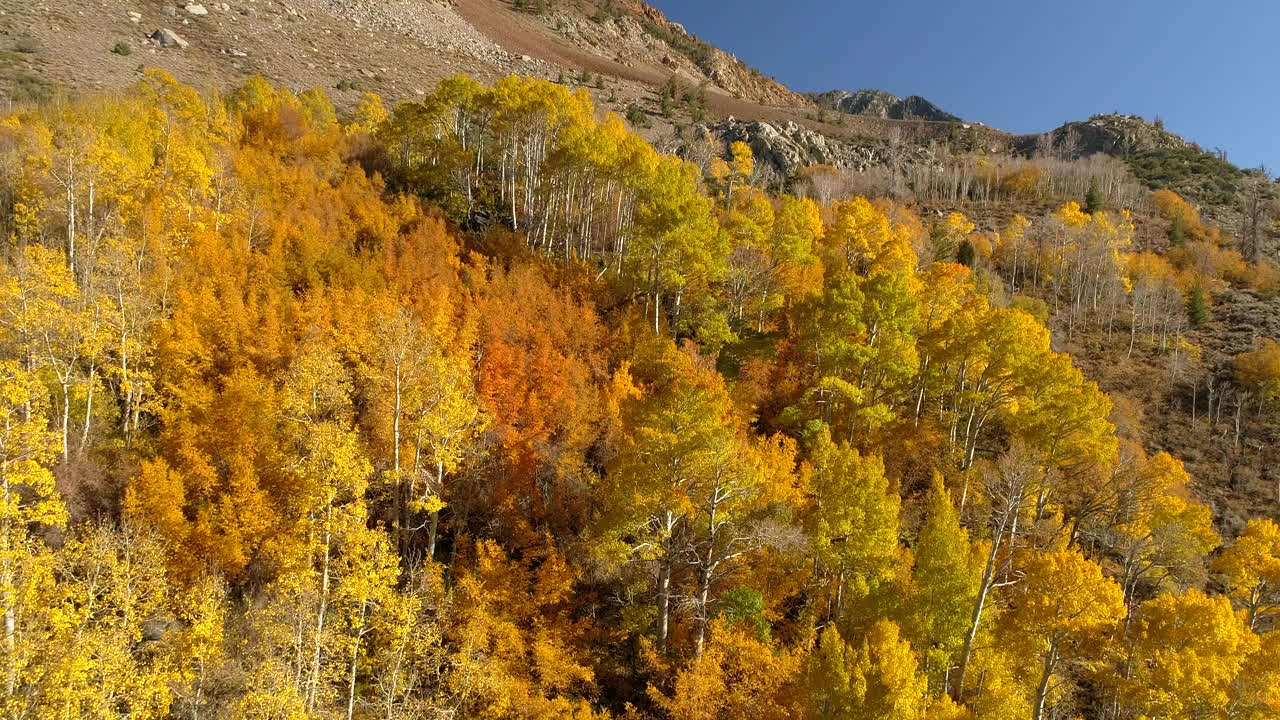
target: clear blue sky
1210 69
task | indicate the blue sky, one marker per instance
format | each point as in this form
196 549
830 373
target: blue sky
1210 70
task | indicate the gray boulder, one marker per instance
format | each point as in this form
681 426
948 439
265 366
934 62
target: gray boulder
166 38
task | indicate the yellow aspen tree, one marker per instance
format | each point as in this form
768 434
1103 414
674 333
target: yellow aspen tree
446 421
875 678
853 520
739 675
28 501
45 316
944 586
674 439
1064 608
1185 653
1255 695
1161 536
96 663
742 166
1007 485
1250 569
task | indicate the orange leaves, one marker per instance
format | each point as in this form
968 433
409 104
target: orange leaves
517 646
738 676
1174 208
540 376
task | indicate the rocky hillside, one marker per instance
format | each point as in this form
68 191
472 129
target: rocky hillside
398 48
623 50
788 148
878 103
1112 134
633 33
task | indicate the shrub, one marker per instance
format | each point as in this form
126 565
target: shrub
27 44
637 117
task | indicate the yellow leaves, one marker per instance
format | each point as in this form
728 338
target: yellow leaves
1256 691
1174 208
429 504
957 227
720 170
874 678
861 238
853 518
1062 612
1159 531
1187 651
1250 568
29 497
517 646
738 676
1072 215
742 161
1259 369
886 667
1065 595
368 115
285 327
81 636
944 585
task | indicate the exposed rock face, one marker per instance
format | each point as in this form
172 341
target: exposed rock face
1116 135
789 148
167 38
636 31
878 103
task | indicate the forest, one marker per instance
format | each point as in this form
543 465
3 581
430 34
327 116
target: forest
478 406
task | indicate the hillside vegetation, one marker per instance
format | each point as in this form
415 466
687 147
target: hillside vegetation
479 406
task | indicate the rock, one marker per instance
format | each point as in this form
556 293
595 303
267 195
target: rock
1112 134
167 38
877 103
525 58
196 9
135 17
156 629
786 149
224 7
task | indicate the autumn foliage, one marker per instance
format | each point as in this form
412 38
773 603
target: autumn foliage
479 406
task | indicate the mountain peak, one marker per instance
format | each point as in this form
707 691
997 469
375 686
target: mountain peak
878 103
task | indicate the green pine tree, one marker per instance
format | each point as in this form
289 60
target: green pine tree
1177 231
1197 308
1094 202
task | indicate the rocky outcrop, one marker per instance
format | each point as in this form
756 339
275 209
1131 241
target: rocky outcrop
877 103
789 148
634 30
1113 134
